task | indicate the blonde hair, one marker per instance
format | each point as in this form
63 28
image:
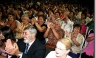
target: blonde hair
67 42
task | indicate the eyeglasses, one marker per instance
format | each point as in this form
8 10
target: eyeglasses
60 49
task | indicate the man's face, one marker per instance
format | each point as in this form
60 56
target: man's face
57 15
27 36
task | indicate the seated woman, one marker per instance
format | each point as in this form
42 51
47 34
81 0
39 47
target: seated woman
62 49
11 22
5 34
83 27
53 33
23 24
88 51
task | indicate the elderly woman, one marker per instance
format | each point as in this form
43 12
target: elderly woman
23 24
53 33
62 49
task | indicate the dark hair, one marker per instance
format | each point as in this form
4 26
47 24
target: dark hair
57 12
43 16
7 33
76 25
11 14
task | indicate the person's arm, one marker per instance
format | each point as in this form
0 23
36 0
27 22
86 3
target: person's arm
41 29
13 26
56 34
90 39
75 42
47 31
2 56
18 16
73 37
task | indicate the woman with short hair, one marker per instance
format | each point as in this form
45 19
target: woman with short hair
62 49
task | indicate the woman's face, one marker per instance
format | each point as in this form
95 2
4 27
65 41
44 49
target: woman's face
60 49
82 22
24 19
40 20
10 17
76 30
57 26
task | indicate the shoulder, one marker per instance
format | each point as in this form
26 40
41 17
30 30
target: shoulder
51 55
44 25
38 44
80 37
68 56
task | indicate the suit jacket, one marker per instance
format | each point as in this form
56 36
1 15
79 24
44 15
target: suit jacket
36 50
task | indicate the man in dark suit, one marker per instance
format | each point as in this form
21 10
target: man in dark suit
34 50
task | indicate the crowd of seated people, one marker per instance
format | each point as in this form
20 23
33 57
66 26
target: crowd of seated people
52 23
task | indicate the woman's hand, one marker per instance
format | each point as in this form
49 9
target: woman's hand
48 24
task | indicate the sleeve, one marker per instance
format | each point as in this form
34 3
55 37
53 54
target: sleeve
80 39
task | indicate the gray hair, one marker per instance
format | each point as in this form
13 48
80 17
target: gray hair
31 29
24 15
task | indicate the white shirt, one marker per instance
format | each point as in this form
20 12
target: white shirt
80 40
67 26
52 54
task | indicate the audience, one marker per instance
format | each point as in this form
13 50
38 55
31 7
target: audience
60 18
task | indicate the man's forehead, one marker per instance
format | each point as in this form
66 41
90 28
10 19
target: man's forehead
26 31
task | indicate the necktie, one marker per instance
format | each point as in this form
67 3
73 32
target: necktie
26 49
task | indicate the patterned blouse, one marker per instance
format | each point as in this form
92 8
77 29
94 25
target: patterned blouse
52 40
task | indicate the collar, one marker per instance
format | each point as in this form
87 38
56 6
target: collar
31 43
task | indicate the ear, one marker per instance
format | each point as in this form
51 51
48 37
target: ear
33 34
